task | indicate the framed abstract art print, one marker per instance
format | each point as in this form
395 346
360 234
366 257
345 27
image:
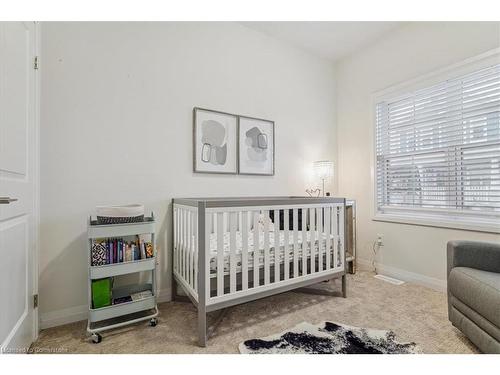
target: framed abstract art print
256 146
215 141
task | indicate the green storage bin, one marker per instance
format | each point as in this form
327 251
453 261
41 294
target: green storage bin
101 292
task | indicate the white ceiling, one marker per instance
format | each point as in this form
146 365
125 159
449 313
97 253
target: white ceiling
332 40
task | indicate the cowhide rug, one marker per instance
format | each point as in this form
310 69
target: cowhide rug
329 338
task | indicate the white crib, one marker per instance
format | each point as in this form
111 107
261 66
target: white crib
227 251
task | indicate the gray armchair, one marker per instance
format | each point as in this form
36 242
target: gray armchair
474 292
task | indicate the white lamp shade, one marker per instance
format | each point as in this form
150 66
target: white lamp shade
323 169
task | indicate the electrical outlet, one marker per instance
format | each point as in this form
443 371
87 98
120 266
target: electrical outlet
380 240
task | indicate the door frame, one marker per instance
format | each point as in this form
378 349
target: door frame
36 178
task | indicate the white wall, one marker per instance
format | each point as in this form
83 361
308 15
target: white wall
411 252
116 127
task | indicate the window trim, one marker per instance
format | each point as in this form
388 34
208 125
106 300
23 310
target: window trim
441 218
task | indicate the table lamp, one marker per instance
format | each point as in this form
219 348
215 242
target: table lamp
323 169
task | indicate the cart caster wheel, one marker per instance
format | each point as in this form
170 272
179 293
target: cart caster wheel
153 322
96 338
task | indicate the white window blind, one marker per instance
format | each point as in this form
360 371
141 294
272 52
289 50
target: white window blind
438 148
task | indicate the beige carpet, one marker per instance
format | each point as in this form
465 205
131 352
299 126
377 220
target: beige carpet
413 312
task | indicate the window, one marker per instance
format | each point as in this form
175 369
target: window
438 151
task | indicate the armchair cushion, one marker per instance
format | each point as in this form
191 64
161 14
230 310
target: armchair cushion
478 289
474 254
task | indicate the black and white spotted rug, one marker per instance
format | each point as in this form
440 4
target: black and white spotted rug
329 338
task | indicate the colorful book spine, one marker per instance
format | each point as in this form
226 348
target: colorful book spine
106 243
128 253
112 251
143 250
135 251
120 247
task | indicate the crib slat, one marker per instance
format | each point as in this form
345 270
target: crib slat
188 247
208 231
328 242
184 241
191 249
220 254
295 243
209 223
232 251
335 232
312 213
188 241
188 233
277 247
244 250
332 223
341 237
286 248
267 266
179 243
319 211
304 241
176 225
256 248
179 252
195 249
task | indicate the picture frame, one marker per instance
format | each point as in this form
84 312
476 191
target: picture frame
256 146
215 141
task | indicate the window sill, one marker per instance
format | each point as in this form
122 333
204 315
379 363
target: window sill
442 221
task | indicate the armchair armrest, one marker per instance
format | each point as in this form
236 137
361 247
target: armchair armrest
474 254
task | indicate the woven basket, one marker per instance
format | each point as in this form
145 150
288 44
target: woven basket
131 213
119 220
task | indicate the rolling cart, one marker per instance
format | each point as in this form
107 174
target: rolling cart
98 317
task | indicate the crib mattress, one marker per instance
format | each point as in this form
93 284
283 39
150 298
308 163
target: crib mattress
280 235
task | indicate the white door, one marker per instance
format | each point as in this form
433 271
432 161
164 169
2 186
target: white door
18 184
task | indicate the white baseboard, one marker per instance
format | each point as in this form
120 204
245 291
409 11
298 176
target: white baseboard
416 278
364 265
164 295
77 313
64 316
